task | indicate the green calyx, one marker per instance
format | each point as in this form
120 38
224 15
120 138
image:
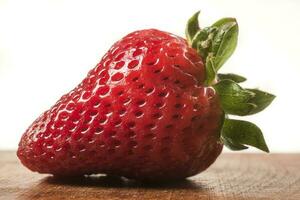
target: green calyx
215 44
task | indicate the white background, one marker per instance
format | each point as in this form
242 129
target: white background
47 47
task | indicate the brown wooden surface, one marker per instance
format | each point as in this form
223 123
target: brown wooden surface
233 176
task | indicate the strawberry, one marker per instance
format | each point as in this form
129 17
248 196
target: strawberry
154 108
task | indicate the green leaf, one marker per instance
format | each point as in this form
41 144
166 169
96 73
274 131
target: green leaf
224 21
261 100
200 36
192 27
202 41
225 42
210 71
234 99
217 41
243 133
233 146
234 77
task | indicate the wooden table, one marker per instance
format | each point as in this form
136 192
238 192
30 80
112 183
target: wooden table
233 176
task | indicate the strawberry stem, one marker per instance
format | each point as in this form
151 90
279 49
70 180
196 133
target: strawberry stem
215 44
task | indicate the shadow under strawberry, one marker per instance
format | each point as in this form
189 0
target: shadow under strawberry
120 182
110 187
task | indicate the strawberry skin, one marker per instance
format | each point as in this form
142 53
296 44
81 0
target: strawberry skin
143 112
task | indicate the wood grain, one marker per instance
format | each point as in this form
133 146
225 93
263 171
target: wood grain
232 177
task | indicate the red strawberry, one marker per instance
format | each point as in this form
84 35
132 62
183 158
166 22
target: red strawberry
148 110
